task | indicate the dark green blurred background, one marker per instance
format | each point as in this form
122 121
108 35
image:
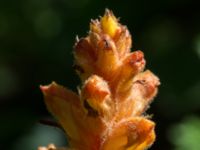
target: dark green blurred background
36 40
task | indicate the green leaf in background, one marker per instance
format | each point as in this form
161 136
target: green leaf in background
186 135
40 135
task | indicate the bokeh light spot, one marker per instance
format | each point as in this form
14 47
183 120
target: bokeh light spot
186 135
40 135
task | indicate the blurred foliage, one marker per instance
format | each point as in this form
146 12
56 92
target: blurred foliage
36 43
186 135
39 135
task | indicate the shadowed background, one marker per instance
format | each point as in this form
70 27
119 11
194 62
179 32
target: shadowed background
36 40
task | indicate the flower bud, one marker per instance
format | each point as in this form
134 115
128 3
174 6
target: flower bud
109 24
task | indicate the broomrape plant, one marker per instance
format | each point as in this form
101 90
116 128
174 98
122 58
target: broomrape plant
107 113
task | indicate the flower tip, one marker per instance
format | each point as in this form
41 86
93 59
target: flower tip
44 88
47 88
109 23
108 12
94 26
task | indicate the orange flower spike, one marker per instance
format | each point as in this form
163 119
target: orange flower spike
108 111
